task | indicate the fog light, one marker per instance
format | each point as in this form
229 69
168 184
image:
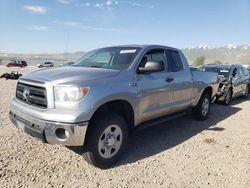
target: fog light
62 133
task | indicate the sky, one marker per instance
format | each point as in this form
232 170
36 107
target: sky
58 26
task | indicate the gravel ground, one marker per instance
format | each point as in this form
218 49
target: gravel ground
180 153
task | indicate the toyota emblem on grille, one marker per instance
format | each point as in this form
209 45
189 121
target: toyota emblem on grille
26 94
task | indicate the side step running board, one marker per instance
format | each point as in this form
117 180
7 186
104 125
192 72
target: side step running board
160 120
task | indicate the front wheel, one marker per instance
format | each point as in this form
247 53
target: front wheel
106 141
228 97
201 111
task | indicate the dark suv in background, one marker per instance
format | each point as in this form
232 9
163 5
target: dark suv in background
16 63
234 81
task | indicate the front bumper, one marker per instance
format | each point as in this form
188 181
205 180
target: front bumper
72 134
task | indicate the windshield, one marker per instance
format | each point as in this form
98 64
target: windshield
222 71
111 58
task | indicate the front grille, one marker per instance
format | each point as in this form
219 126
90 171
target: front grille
33 95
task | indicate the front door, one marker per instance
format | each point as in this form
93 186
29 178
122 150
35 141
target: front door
155 91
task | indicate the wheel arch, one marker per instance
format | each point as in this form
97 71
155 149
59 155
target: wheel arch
208 90
121 107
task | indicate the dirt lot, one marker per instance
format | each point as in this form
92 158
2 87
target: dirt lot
180 153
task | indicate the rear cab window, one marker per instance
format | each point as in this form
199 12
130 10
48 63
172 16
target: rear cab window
174 61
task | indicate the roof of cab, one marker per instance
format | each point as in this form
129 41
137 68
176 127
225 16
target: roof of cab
143 46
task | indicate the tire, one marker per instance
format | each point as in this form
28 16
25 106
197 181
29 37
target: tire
246 92
106 140
201 111
228 97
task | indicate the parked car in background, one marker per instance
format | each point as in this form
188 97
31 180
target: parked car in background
234 81
109 93
66 64
16 63
45 64
249 76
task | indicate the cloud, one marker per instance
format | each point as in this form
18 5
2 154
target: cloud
106 5
101 28
36 9
109 3
72 24
81 26
87 4
65 1
98 5
67 23
38 28
136 4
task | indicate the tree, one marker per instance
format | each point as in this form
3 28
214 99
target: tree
199 61
217 62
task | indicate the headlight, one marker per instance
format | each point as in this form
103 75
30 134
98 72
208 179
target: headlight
69 93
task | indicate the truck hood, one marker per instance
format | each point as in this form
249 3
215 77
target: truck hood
71 74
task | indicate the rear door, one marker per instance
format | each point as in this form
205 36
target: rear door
244 79
183 83
237 81
154 91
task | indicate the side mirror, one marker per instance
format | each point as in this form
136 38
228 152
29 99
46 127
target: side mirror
151 66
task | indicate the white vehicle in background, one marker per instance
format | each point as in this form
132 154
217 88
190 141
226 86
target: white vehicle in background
45 64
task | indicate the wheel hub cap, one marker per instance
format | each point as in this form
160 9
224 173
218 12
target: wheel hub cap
110 141
205 107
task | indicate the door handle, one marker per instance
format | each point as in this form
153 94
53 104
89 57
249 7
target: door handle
169 79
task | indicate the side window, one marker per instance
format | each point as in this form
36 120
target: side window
153 55
245 71
174 61
240 71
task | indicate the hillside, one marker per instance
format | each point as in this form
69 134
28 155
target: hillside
34 59
227 54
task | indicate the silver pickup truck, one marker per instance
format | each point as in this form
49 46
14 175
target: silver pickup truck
100 100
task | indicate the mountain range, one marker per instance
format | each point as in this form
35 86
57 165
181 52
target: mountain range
227 54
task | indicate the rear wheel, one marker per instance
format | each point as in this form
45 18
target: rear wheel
228 97
201 111
106 141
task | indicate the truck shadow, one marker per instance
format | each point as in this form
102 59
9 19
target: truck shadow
154 140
